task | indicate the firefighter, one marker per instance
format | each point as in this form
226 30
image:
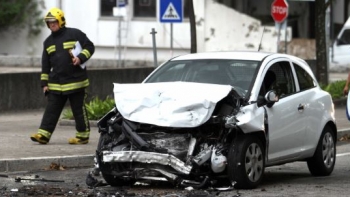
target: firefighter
63 77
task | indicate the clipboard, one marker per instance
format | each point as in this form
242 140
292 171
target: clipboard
75 51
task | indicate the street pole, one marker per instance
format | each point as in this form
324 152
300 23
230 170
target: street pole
119 41
285 36
155 61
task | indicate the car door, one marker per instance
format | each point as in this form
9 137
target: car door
286 123
314 108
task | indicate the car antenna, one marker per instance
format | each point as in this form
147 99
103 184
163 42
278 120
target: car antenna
261 39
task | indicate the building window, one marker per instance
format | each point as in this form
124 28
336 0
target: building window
145 8
107 7
141 8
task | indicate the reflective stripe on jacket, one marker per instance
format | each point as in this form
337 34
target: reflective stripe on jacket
58 71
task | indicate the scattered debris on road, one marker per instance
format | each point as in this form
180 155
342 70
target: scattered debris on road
19 179
55 166
345 137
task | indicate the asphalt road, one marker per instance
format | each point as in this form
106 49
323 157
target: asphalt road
287 180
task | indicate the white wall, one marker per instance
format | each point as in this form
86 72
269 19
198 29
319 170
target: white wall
237 32
338 18
218 28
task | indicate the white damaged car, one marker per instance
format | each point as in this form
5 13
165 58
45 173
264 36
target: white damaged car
218 118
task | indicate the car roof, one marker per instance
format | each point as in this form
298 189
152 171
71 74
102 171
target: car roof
241 55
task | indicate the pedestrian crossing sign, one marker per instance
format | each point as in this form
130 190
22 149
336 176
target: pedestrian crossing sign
171 11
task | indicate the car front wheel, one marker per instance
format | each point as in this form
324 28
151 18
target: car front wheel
108 169
246 162
323 161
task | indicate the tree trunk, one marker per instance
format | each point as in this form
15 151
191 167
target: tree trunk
192 27
321 47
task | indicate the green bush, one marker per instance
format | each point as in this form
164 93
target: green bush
96 109
67 114
335 89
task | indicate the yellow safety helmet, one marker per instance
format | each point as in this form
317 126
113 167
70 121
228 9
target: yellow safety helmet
55 14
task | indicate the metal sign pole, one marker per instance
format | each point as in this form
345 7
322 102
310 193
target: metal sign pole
278 36
171 39
279 12
171 11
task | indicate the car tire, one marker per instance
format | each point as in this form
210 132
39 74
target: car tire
323 161
107 169
246 163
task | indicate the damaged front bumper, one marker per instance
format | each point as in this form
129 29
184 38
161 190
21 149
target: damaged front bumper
147 157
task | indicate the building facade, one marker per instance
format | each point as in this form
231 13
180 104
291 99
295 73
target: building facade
121 29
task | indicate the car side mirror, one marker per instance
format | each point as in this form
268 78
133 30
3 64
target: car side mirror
271 98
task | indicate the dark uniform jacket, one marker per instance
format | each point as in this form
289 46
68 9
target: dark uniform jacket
58 71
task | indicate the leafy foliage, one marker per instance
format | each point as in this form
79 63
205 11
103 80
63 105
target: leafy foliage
96 109
335 88
67 114
16 13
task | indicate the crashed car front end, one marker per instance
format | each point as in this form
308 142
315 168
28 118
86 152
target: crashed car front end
155 133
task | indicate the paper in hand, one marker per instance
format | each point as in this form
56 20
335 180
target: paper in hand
75 52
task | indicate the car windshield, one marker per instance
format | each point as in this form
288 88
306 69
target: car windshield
237 73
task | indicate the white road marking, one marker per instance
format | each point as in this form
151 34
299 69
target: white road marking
342 154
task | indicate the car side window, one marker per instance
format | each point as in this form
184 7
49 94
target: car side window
279 77
304 79
268 82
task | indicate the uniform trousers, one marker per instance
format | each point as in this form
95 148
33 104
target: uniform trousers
55 105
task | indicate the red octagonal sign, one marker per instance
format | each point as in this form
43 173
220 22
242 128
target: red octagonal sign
279 10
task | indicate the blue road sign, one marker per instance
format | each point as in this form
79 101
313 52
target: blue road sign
121 3
171 11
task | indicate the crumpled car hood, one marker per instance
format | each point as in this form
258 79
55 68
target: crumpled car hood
169 104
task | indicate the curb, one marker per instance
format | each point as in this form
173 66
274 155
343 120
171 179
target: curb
342 133
340 103
43 163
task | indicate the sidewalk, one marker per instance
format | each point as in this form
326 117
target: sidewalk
19 153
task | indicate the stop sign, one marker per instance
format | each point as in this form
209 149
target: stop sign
279 10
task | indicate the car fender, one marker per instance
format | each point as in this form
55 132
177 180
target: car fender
251 118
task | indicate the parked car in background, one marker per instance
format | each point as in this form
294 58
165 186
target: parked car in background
210 119
340 50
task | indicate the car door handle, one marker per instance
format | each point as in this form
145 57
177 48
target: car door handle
300 107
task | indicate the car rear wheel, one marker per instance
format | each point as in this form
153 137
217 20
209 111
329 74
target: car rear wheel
323 161
246 162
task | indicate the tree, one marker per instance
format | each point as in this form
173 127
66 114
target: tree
321 45
192 27
16 13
